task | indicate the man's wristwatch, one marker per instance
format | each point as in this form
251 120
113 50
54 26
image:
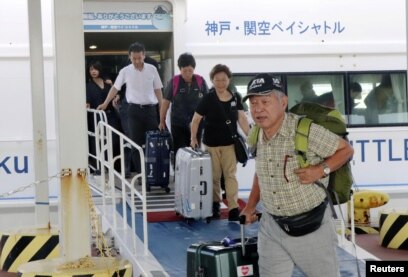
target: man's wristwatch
326 169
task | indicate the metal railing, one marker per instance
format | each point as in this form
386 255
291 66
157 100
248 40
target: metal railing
97 115
105 161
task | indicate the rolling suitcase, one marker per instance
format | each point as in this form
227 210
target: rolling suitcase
193 187
157 159
228 258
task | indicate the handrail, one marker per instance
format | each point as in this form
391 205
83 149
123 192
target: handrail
97 115
105 159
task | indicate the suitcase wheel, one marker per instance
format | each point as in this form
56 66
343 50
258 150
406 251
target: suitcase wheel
189 221
208 220
167 189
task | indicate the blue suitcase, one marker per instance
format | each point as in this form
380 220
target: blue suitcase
157 159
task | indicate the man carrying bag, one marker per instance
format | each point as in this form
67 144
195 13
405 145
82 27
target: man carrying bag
296 220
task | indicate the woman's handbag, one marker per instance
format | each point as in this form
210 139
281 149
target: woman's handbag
241 149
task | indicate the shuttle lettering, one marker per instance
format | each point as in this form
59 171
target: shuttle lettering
388 146
19 166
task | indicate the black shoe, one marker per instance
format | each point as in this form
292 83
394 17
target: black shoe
233 215
216 209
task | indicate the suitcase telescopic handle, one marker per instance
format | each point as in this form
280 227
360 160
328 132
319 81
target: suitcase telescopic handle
198 151
242 219
204 184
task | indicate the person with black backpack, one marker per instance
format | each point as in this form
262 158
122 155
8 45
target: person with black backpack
296 225
184 91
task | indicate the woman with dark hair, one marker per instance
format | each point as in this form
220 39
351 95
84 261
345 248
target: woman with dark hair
97 89
217 136
184 91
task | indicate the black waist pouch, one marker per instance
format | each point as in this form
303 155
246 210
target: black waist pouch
302 224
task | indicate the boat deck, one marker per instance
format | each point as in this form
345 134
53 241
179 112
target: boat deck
169 242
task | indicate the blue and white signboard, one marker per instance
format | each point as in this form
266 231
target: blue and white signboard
127 16
293 26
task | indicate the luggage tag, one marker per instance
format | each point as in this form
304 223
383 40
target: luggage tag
245 270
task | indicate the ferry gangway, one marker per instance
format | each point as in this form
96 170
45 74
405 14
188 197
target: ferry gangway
108 175
114 211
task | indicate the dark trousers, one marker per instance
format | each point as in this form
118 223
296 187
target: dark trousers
114 121
140 120
181 136
123 108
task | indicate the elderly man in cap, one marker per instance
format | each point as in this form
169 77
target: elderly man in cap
296 226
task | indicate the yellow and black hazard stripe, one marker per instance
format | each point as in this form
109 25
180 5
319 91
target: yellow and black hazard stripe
394 230
126 272
18 249
103 267
360 230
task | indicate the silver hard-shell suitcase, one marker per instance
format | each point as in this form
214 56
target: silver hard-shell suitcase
193 185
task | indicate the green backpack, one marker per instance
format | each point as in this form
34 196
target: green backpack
341 180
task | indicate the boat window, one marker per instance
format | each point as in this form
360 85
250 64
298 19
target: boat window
382 98
325 89
364 98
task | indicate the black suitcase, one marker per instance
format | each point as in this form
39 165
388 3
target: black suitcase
225 258
157 159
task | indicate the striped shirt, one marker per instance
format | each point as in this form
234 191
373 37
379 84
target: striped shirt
282 194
